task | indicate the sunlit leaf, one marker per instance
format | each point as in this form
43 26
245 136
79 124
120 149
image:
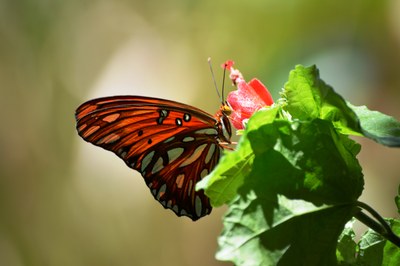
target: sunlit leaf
307 160
391 255
347 247
261 231
221 184
309 97
379 127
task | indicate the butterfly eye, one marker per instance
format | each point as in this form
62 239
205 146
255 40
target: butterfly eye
226 109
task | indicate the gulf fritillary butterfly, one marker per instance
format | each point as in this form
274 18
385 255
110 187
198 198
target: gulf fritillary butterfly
173 145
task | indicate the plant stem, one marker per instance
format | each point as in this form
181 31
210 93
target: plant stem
380 226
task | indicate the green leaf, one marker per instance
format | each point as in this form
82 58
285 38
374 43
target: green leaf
391 252
379 127
258 232
293 181
222 183
307 160
297 197
375 250
309 97
370 248
346 247
302 93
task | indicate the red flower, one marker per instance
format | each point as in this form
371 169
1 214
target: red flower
247 99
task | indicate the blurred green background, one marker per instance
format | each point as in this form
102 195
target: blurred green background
66 202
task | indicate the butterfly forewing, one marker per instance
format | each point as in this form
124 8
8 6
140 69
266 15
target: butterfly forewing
171 144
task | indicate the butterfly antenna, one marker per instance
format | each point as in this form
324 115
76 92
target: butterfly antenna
213 77
223 83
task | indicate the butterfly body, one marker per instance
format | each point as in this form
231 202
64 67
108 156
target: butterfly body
173 145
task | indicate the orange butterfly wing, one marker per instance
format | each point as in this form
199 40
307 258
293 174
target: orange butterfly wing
173 145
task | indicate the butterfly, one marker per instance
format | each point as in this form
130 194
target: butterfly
172 145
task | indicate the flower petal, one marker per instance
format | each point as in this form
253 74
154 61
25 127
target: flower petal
247 99
236 120
228 64
261 91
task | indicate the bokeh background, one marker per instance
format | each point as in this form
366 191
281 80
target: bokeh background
66 202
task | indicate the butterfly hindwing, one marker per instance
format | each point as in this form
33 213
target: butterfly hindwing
172 173
171 144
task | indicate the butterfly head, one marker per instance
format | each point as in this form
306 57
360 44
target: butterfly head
225 109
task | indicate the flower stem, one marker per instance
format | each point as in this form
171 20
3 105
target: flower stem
379 225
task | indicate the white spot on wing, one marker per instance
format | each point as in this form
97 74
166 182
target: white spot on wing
173 154
121 152
163 113
158 165
210 153
169 139
146 160
203 173
178 122
186 117
194 156
161 192
188 139
207 131
198 206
